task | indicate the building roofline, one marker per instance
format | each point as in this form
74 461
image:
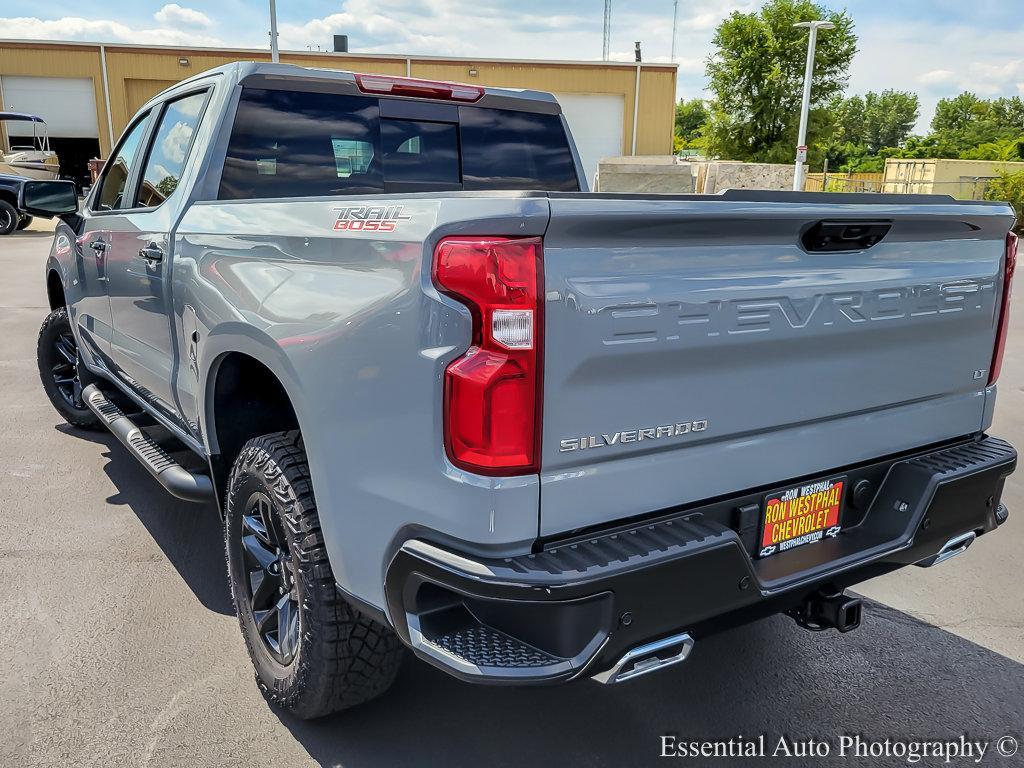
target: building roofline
330 54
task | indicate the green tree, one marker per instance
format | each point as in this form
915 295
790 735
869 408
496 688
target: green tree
1009 187
966 122
863 125
166 186
889 118
756 74
691 114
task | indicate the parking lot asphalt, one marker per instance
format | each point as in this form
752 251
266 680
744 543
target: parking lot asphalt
120 646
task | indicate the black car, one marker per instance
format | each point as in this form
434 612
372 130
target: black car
11 217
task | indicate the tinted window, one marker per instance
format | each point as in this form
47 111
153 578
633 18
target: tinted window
415 151
169 149
292 144
502 149
117 169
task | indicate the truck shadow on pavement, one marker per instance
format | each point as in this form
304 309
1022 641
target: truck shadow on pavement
189 535
895 677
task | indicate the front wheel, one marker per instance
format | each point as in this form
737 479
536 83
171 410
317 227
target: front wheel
59 370
313 652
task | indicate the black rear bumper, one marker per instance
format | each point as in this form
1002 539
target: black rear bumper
576 607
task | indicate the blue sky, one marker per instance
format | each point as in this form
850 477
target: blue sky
933 47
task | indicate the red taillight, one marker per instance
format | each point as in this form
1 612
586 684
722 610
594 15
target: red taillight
421 89
492 395
1004 309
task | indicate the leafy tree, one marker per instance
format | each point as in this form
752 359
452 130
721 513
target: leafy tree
690 118
167 185
1009 187
863 125
1002 149
966 122
889 118
756 74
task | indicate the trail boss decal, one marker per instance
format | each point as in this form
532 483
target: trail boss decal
369 218
801 515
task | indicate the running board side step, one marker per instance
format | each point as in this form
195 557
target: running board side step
172 476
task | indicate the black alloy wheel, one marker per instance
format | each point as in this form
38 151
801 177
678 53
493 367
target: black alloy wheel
61 370
272 589
64 370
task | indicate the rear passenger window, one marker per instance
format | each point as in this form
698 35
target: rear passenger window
169 149
295 144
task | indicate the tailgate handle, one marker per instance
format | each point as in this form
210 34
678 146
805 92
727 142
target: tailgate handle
844 234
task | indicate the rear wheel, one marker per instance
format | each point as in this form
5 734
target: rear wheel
59 370
8 218
314 653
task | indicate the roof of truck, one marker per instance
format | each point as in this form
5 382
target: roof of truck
254 68
247 70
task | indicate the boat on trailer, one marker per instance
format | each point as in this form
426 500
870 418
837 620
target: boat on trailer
24 155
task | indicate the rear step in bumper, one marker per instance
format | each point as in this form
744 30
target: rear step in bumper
171 475
603 606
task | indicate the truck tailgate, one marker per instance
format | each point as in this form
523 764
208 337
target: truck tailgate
695 348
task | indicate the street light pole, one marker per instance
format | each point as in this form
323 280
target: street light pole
675 17
274 57
800 172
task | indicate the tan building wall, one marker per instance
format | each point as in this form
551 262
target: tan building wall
134 74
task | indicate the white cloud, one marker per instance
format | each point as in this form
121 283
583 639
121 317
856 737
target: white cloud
906 57
77 28
937 77
175 143
174 15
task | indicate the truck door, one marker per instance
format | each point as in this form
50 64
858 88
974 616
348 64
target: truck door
92 310
139 260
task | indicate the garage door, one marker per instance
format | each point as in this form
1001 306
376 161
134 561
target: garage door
596 124
67 104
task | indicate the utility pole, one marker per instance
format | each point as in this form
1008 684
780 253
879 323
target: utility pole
800 172
675 18
606 42
274 56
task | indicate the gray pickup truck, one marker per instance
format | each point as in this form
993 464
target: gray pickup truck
447 400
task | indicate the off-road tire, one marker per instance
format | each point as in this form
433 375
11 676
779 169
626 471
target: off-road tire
57 325
9 218
343 658
25 221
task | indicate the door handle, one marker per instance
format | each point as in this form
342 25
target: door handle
152 254
98 245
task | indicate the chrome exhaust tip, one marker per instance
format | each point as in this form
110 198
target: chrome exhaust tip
955 546
648 658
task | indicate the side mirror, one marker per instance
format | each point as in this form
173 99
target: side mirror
48 198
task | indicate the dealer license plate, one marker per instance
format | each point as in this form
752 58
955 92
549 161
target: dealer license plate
801 514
